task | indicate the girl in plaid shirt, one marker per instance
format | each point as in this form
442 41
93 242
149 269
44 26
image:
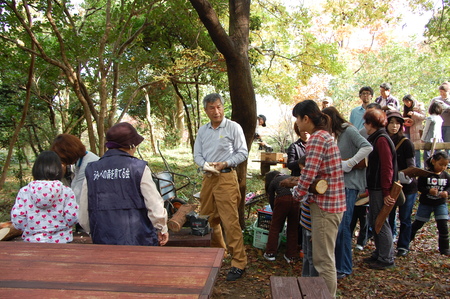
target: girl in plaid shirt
323 160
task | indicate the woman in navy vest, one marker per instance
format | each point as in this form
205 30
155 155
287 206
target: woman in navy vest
120 204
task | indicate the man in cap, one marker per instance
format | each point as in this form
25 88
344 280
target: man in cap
219 148
120 204
327 102
386 100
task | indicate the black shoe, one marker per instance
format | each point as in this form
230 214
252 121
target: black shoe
402 252
235 273
445 252
378 265
341 275
369 260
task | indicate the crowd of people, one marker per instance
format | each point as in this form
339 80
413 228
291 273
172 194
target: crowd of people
363 158
115 199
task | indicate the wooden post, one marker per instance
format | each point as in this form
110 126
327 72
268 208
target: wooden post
386 210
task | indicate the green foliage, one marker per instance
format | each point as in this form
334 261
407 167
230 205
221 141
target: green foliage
284 52
418 72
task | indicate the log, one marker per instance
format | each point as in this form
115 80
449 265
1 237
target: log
8 233
179 218
318 186
386 210
6 224
415 172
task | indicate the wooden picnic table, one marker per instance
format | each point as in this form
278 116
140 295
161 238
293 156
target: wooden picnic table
106 271
265 165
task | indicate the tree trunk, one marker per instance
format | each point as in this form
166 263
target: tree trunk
148 117
234 47
22 120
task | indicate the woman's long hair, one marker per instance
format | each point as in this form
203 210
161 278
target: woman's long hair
407 109
336 120
320 120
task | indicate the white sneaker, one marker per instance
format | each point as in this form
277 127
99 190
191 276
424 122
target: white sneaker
269 256
359 247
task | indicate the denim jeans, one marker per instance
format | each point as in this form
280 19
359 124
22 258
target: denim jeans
417 159
424 212
446 135
404 215
343 249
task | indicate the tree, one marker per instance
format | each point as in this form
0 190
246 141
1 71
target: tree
234 48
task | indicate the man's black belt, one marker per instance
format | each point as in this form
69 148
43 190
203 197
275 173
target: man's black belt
226 170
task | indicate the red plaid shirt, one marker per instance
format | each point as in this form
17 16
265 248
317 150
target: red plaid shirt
323 160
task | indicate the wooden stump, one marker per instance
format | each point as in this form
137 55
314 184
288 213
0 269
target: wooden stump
8 231
179 218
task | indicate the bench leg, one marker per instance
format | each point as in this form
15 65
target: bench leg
265 168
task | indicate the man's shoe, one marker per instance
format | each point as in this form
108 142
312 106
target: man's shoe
402 252
269 256
234 274
378 265
341 275
289 260
369 260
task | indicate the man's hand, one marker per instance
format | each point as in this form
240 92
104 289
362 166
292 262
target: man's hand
163 238
219 165
289 182
389 201
210 167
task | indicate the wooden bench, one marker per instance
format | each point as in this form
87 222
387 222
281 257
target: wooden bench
298 287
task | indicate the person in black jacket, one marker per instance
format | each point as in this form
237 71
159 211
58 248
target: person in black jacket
405 158
296 150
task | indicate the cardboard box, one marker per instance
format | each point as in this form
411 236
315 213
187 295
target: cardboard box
274 157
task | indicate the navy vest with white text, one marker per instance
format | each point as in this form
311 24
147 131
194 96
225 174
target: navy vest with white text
117 211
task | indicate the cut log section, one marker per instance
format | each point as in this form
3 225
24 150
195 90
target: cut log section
8 233
179 218
319 186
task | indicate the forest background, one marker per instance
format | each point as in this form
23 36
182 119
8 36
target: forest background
80 67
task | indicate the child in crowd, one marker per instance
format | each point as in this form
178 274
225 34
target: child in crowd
283 206
308 269
433 199
433 127
45 210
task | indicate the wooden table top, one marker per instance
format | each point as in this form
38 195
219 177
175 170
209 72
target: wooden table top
112 271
